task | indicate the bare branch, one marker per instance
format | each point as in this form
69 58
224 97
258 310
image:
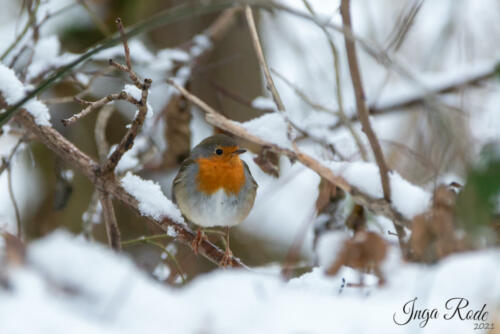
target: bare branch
361 102
128 69
422 97
128 140
92 106
125 43
303 95
100 132
112 229
262 60
80 161
378 206
363 113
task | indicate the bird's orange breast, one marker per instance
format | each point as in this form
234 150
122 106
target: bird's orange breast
220 173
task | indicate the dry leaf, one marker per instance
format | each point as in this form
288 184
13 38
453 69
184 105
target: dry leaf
365 251
268 161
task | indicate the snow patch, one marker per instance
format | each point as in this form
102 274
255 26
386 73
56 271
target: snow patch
151 200
272 127
13 90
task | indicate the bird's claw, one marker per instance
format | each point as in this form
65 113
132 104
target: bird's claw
198 239
226 259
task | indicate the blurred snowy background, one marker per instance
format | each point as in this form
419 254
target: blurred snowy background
434 108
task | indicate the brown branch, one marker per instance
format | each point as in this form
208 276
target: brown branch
262 60
88 167
127 69
92 106
112 229
100 132
378 206
126 49
128 140
361 102
363 113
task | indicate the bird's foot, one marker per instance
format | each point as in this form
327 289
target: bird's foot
198 239
226 259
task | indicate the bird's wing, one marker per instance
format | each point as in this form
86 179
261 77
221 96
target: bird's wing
178 178
249 174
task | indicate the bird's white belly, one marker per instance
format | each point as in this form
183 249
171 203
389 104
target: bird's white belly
219 209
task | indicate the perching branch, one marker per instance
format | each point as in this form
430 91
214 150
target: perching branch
90 169
108 167
378 206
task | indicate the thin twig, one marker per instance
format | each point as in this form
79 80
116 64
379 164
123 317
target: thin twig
97 21
303 95
171 256
128 61
361 102
262 60
100 132
112 229
128 139
143 238
86 89
338 88
19 37
13 199
363 113
92 106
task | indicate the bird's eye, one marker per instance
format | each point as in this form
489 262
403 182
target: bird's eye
218 151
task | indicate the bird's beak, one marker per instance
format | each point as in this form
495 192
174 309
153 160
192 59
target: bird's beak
240 151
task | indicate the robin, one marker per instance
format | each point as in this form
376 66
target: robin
214 187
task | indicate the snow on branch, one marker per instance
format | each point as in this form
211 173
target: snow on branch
151 200
13 90
371 197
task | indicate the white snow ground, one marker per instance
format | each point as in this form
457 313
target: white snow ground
71 286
